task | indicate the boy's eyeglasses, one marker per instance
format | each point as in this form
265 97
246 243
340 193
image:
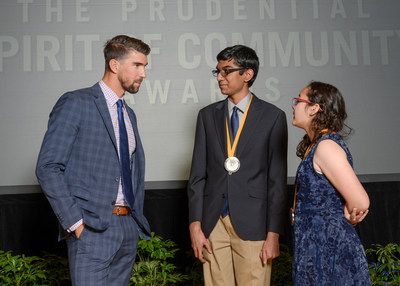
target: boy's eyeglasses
224 73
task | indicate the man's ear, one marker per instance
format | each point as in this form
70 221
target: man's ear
113 65
248 74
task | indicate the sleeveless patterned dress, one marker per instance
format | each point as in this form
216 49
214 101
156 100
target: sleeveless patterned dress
327 249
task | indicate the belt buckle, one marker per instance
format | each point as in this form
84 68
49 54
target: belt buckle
118 208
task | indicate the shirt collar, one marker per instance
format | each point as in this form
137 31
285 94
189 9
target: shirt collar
242 105
110 96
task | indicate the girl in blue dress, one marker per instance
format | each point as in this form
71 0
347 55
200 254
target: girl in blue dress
327 249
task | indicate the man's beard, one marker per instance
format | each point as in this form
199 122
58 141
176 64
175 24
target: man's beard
129 88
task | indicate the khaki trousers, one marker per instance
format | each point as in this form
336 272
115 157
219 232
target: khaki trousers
234 261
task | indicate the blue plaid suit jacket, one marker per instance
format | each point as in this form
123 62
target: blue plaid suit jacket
78 166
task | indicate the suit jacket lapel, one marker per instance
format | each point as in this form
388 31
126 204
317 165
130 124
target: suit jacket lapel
219 117
250 124
132 118
138 154
101 104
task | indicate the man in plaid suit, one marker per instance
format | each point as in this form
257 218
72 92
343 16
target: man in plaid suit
79 169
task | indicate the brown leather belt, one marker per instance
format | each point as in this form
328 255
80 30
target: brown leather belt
121 210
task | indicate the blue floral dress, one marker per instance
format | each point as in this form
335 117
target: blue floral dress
327 249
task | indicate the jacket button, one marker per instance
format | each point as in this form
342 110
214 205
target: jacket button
117 179
223 196
113 203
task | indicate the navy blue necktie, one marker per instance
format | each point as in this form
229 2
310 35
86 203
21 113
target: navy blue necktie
124 157
234 127
234 122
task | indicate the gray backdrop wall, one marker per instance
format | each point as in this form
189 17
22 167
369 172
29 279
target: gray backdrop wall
48 47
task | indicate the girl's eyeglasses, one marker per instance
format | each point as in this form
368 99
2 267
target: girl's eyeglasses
296 100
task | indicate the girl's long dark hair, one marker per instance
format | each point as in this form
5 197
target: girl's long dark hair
332 116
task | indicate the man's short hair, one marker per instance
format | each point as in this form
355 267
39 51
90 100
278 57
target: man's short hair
120 46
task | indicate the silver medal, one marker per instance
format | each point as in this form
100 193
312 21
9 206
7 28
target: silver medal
232 164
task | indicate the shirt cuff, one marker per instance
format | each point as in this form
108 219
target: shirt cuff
75 226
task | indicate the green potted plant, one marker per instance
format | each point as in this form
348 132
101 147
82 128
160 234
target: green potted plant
386 269
21 269
33 270
153 266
